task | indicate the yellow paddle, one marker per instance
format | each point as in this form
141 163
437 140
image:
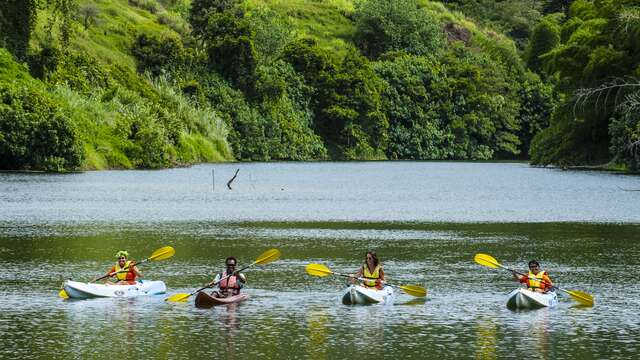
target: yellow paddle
321 270
579 296
265 258
160 254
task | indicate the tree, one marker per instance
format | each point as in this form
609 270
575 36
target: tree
545 37
202 10
88 12
17 20
399 25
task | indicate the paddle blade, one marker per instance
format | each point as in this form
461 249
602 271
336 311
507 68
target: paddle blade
268 256
63 294
486 260
414 290
162 253
581 297
178 298
318 270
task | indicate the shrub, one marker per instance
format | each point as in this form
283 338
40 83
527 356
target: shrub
34 134
399 25
157 53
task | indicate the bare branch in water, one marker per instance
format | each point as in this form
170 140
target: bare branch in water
231 180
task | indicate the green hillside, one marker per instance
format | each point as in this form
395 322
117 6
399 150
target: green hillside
150 84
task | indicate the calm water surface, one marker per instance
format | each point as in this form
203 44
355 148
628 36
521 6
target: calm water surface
426 220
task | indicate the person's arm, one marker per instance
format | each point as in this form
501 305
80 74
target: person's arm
215 281
359 274
519 278
381 274
242 278
137 272
547 279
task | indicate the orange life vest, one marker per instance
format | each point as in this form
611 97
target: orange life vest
536 280
373 276
230 283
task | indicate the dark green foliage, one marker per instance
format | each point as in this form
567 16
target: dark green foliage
599 42
276 129
235 59
401 92
537 101
399 25
229 40
158 53
347 105
34 133
17 19
202 10
545 36
412 101
464 108
556 6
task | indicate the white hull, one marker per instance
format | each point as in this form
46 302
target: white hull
527 299
360 295
79 290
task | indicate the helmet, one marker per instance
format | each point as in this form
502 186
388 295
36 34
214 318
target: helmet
122 253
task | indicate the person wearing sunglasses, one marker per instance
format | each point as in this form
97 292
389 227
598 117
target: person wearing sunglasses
125 271
230 281
536 280
372 271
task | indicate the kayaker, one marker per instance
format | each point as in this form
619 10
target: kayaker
130 273
372 271
229 286
536 280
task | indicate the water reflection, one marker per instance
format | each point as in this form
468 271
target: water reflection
318 333
534 331
229 325
293 315
486 330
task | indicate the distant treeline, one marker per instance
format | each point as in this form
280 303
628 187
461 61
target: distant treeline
590 52
146 83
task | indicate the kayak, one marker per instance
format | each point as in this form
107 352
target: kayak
80 290
526 299
206 301
360 295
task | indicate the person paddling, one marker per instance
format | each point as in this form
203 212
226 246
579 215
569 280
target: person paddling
536 280
229 286
372 271
125 271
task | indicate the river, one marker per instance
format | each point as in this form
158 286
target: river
426 220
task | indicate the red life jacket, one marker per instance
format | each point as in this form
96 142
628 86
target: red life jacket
232 284
129 275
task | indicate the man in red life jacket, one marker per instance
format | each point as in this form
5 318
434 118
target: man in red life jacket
125 271
229 286
536 280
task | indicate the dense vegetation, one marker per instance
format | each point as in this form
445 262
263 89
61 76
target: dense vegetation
94 84
595 64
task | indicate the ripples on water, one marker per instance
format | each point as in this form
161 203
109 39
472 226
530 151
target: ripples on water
293 315
369 191
56 227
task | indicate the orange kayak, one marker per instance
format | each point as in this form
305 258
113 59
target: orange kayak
206 301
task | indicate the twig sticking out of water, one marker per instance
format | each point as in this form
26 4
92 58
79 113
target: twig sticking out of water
233 178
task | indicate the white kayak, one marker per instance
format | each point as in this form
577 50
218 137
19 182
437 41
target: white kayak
361 295
80 290
526 299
